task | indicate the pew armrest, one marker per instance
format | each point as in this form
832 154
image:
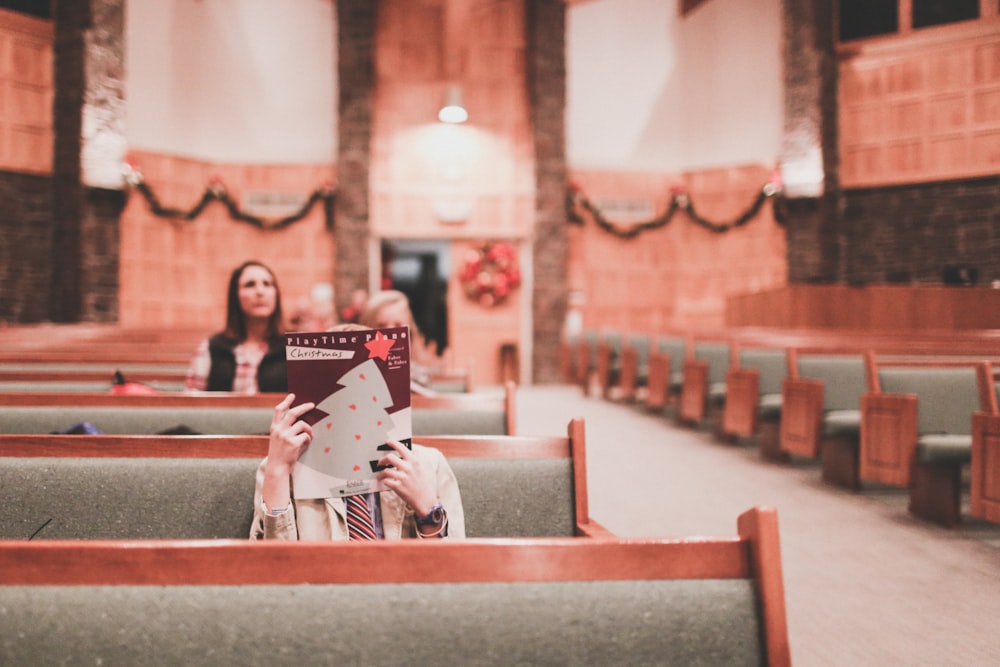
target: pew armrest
801 416
739 417
888 437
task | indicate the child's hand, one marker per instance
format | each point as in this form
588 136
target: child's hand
407 476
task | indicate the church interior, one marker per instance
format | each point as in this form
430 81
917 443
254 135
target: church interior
753 246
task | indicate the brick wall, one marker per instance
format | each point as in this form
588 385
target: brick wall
910 233
24 251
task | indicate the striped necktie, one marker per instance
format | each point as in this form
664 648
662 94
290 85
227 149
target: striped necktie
359 518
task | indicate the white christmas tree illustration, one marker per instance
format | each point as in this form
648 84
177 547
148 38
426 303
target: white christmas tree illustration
345 442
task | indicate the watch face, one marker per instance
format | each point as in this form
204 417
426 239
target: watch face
436 517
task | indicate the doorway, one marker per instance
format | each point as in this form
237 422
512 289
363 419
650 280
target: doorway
420 269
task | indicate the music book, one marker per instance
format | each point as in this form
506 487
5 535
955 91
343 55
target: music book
360 383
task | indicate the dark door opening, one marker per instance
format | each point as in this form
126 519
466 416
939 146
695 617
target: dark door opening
420 269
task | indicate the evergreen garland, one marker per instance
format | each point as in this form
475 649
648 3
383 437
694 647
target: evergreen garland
576 200
216 191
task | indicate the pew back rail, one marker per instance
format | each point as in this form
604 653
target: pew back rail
480 413
542 601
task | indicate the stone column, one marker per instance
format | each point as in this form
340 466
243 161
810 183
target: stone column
89 145
546 80
356 25
809 159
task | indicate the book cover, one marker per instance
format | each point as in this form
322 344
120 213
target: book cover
360 383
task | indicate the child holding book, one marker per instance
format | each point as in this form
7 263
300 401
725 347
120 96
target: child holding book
421 497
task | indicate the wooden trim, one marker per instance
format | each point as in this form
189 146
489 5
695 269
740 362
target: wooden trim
204 562
759 527
219 399
255 446
129 446
92 375
182 562
211 399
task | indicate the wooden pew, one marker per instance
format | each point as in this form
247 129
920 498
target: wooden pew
820 403
709 601
568 346
703 392
916 429
586 358
634 367
608 361
666 371
984 467
753 396
481 413
159 486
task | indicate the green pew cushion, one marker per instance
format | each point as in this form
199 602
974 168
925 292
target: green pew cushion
944 448
433 421
127 498
946 396
168 498
769 406
496 502
678 622
842 423
843 379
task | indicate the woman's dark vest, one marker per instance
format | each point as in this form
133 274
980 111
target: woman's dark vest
271 374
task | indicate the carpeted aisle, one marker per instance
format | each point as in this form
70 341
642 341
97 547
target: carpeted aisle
865 584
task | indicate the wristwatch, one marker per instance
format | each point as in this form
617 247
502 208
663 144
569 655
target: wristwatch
434 518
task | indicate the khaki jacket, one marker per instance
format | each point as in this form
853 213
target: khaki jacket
320 519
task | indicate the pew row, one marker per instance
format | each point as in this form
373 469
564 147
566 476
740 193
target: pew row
200 487
820 409
700 601
916 430
221 413
666 372
703 387
753 397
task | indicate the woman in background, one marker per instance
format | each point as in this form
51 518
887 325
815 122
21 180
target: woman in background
249 355
391 308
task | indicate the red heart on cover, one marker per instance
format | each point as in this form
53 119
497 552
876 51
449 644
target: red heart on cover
378 423
357 437
352 406
326 451
329 425
375 399
362 376
357 468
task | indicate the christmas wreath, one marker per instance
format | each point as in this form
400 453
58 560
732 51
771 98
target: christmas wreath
490 273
